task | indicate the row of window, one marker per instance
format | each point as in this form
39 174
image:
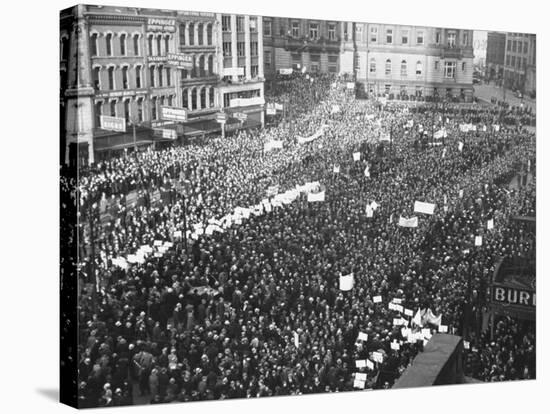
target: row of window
240 21
193 34
515 46
159 76
241 49
516 62
156 45
195 98
418 90
112 108
314 31
449 67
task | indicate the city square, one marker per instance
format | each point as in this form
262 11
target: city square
274 206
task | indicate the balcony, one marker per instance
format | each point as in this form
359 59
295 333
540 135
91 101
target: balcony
451 52
199 80
305 44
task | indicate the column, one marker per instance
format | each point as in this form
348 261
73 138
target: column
186 34
189 99
234 57
247 46
196 29
261 48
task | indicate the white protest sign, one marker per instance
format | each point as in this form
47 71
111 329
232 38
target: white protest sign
377 299
397 300
460 146
443 328
362 336
361 376
346 282
466 345
461 193
478 241
315 197
370 364
336 169
356 156
361 363
296 340
395 346
157 243
421 207
408 222
408 312
490 224
378 357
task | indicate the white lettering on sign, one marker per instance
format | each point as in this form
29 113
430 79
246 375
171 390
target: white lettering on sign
499 294
524 298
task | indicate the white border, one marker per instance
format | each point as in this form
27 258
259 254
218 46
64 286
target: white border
30 159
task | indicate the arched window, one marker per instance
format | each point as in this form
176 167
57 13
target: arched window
191 34
194 99
388 67
152 76
93 44
109 44
136 45
203 97
125 84
167 44
113 107
210 65
111 75
138 77
159 45
372 67
184 98
127 110
184 73
209 34
168 77
123 44
200 32
139 105
161 70
403 68
150 45
96 71
98 113
201 66
194 68
170 100
419 68
211 93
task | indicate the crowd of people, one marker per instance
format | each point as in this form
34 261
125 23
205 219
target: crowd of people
256 308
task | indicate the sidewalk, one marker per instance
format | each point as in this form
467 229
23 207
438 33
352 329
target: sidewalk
486 92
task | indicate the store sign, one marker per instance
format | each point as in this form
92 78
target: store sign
112 123
156 59
513 296
238 71
155 24
171 113
179 60
221 117
246 101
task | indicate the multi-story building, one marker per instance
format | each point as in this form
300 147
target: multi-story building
298 43
496 46
241 68
421 61
520 62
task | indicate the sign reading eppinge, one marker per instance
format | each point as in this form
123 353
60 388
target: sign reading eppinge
171 113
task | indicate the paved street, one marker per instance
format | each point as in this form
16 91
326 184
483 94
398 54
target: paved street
486 92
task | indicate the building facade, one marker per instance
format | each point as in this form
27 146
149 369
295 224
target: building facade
129 63
520 62
298 43
420 61
241 69
496 47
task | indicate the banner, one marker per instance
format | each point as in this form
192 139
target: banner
408 222
346 282
170 113
285 71
314 197
272 190
421 207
